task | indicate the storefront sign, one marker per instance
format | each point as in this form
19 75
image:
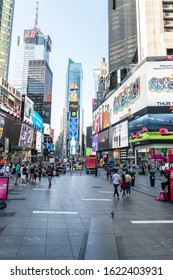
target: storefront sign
4 181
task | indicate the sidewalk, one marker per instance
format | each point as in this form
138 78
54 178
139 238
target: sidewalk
61 222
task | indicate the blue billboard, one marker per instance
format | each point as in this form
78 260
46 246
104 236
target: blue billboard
37 121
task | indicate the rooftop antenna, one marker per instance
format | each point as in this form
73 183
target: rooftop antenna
36 17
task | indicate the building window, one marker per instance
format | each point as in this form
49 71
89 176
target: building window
114 4
169 51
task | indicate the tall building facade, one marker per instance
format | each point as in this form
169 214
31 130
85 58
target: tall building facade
32 71
73 123
6 23
138 29
39 87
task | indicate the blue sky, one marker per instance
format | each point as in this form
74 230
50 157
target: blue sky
79 30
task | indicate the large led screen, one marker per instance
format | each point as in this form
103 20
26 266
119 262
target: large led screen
155 127
73 128
103 140
95 143
26 136
118 136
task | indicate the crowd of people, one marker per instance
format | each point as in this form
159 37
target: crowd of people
30 172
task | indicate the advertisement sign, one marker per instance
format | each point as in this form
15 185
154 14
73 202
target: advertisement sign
160 83
2 122
46 129
73 127
4 181
157 127
38 141
118 136
95 143
30 35
89 152
73 106
170 157
27 109
26 136
103 140
37 121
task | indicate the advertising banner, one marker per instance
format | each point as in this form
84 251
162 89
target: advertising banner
37 121
89 152
157 127
27 108
4 181
118 135
103 141
126 100
26 136
73 127
160 83
95 143
38 141
2 122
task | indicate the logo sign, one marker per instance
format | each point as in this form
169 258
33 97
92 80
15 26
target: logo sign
73 114
73 106
30 35
4 181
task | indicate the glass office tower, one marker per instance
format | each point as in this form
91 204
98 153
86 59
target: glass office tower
6 22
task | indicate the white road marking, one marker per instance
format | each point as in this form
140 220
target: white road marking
55 212
106 191
39 189
97 199
153 222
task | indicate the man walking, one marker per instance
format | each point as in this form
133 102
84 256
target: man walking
116 181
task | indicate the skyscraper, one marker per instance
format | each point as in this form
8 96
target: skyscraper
73 123
32 71
6 22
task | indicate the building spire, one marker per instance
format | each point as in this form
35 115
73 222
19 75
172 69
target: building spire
36 16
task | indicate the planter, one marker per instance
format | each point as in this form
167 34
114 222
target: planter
133 181
152 181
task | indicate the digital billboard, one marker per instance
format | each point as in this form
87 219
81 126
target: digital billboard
27 108
73 135
30 36
2 122
37 121
157 127
95 143
26 136
38 141
103 140
118 136
89 152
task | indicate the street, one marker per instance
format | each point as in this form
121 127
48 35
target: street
63 222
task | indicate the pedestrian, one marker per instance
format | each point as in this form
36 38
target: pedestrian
17 173
123 186
50 174
128 180
39 174
116 181
7 170
23 174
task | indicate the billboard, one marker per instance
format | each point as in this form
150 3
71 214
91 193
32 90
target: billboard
151 85
37 121
160 83
4 182
156 127
26 136
89 152
30 35
27 109
95 143
118 136
46 129
103 140
2 122
73 135
38 141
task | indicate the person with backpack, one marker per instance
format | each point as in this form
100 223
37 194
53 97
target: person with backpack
116 178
